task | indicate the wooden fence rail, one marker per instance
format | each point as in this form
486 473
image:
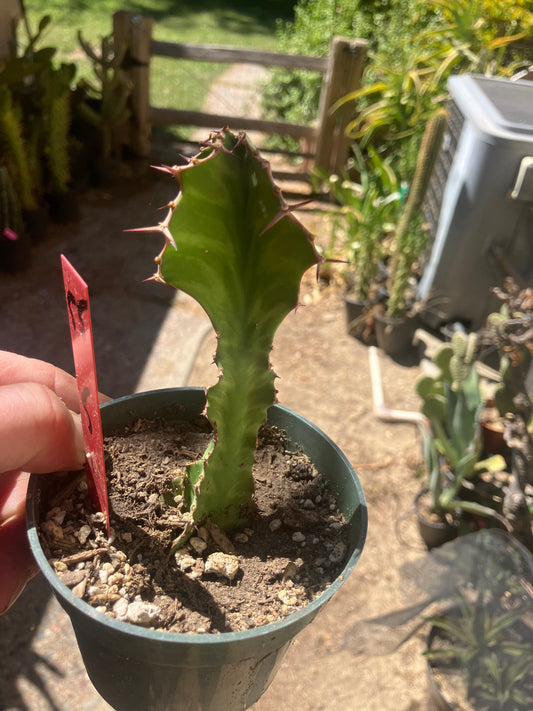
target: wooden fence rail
342 71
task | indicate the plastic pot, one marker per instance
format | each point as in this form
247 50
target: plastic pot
437 701
137 669
434 533
357 313
395 335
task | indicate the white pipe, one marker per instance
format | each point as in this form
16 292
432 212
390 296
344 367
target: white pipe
380 411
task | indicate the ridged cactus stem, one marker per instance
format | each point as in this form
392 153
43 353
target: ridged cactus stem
233 244
57 141
13 149
404 255
10 215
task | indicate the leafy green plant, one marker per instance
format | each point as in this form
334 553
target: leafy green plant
452 404
401 98
473 596
367 215
483 634
468 41
233 244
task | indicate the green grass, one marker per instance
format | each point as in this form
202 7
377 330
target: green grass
174 83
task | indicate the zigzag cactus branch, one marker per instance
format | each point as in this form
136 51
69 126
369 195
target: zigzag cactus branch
233 244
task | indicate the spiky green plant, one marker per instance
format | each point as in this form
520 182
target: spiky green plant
234 245
407 243
14 150
452 403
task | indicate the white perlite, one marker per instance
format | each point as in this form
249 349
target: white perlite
222 564
142 613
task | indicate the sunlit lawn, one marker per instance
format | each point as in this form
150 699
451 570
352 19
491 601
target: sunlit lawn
179 84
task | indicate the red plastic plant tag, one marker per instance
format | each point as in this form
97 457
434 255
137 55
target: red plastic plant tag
79 316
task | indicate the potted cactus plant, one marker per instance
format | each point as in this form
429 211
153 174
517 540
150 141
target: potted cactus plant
233 244
452 404
471 598
396 325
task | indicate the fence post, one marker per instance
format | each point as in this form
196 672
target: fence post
345 67
135 32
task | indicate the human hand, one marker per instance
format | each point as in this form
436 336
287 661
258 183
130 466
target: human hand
39 432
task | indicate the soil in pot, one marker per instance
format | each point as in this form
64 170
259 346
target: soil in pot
291 548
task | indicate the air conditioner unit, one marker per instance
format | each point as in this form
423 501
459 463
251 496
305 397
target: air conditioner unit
479 205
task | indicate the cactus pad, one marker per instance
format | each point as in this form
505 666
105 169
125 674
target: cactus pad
233 244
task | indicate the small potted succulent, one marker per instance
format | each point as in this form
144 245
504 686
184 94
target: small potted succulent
471 599
233 244
510 332
452 404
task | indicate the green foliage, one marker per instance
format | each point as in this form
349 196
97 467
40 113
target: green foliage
510 332
294 95
13 149
368 213
484 638
234 245
10 214
452 403
111 89
174 83
407 245
35 96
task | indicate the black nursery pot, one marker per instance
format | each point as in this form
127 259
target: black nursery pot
433 533
395 335
137 669
356 322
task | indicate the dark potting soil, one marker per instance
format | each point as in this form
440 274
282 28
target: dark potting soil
293 546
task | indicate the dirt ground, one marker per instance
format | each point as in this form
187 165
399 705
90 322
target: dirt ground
322 373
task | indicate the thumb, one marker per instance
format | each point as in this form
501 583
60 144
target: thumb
38 433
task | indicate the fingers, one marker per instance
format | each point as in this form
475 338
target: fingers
16 561
19 369
38 432
13 489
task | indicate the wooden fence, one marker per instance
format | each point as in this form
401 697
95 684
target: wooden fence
342 71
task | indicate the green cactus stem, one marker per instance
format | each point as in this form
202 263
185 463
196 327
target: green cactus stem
56 105
10 213
13 148
233 244
406 246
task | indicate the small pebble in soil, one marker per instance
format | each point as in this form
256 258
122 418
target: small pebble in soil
338 552
298 537
222 564
275 524
141 613
198 544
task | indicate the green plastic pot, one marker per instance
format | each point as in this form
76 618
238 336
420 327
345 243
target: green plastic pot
137 669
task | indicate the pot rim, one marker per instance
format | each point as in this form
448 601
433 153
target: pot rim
272 628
